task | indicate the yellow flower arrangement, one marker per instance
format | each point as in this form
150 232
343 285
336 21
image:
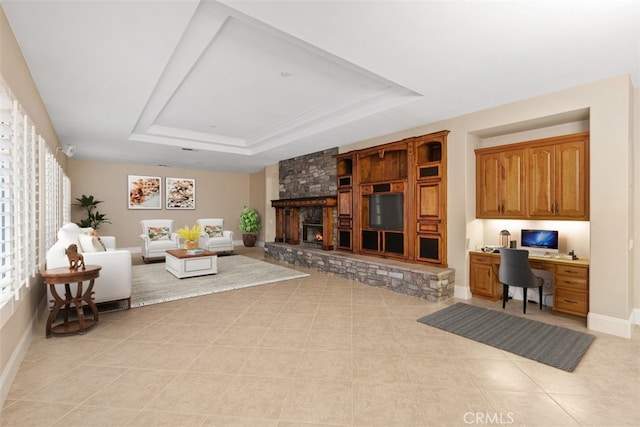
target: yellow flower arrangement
189 234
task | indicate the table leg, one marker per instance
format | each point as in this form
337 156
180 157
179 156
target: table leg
88 298
55 308
68 299
79 311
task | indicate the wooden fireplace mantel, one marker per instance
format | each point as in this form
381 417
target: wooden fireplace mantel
325 202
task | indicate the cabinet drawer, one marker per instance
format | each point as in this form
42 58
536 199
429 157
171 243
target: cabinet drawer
568 270
571 283
481 259
540 265
344 223
429 227
570 302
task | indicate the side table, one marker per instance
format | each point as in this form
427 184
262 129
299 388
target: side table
65 276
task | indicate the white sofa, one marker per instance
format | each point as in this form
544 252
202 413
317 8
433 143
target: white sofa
157 236
114 282
214 237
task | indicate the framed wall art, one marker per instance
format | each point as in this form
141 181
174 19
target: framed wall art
145 192
181 193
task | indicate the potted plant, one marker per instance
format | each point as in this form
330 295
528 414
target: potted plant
190 236
94 218
250 225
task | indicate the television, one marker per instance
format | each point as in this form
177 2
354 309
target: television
386 211
539 241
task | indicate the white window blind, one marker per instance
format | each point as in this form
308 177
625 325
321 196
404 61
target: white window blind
29 174
7 128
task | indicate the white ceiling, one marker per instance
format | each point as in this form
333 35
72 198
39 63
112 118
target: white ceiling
237 85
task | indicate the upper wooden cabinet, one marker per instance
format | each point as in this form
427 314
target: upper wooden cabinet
558 181
541 179
500 184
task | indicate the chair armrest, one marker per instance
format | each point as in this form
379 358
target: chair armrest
108 241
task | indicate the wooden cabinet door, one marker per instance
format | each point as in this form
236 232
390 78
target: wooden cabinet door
429 201
542 198
558 181
488 186
513 184
500 185
570 176
345 203
482 276
482 279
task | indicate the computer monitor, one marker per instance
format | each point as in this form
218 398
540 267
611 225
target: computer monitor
539 241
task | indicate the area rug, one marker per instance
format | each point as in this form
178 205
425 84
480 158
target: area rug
153 284
552 345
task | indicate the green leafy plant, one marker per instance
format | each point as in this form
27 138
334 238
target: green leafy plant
249 220
94 218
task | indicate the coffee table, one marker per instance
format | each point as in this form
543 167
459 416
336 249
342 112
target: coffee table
182 264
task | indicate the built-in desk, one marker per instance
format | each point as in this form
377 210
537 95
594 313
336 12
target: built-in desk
570 280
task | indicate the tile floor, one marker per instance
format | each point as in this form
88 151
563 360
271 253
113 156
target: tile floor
316 351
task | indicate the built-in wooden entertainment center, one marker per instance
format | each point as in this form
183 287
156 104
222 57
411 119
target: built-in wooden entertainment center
392 200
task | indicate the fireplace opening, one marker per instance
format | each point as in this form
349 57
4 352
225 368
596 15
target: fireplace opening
312 233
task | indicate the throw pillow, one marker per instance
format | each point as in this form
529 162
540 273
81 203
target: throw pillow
90 243
213 230
159 233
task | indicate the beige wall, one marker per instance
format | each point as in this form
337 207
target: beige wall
17 317
613 290
218 195
257 200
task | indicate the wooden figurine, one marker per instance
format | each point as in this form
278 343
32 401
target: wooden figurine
75 258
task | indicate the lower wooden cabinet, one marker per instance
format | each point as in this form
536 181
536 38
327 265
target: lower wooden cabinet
570 281
483 278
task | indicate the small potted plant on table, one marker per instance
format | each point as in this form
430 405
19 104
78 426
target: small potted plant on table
190 236
250 225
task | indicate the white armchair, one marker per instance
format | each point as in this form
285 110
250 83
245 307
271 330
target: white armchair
114 282
214 237
157 236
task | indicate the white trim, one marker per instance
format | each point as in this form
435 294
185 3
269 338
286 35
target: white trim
462 292
610 325
17 356
635 316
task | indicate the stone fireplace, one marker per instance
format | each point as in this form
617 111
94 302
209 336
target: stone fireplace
309 217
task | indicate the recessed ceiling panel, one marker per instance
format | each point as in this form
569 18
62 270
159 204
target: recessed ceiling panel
249 80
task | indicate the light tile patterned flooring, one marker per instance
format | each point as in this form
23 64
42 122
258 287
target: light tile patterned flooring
316 351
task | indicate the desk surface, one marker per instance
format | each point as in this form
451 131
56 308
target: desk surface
552 259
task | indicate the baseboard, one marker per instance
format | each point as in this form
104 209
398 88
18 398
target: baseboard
610 325
462 292
17 356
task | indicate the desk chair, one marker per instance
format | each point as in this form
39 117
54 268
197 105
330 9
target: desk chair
515 271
